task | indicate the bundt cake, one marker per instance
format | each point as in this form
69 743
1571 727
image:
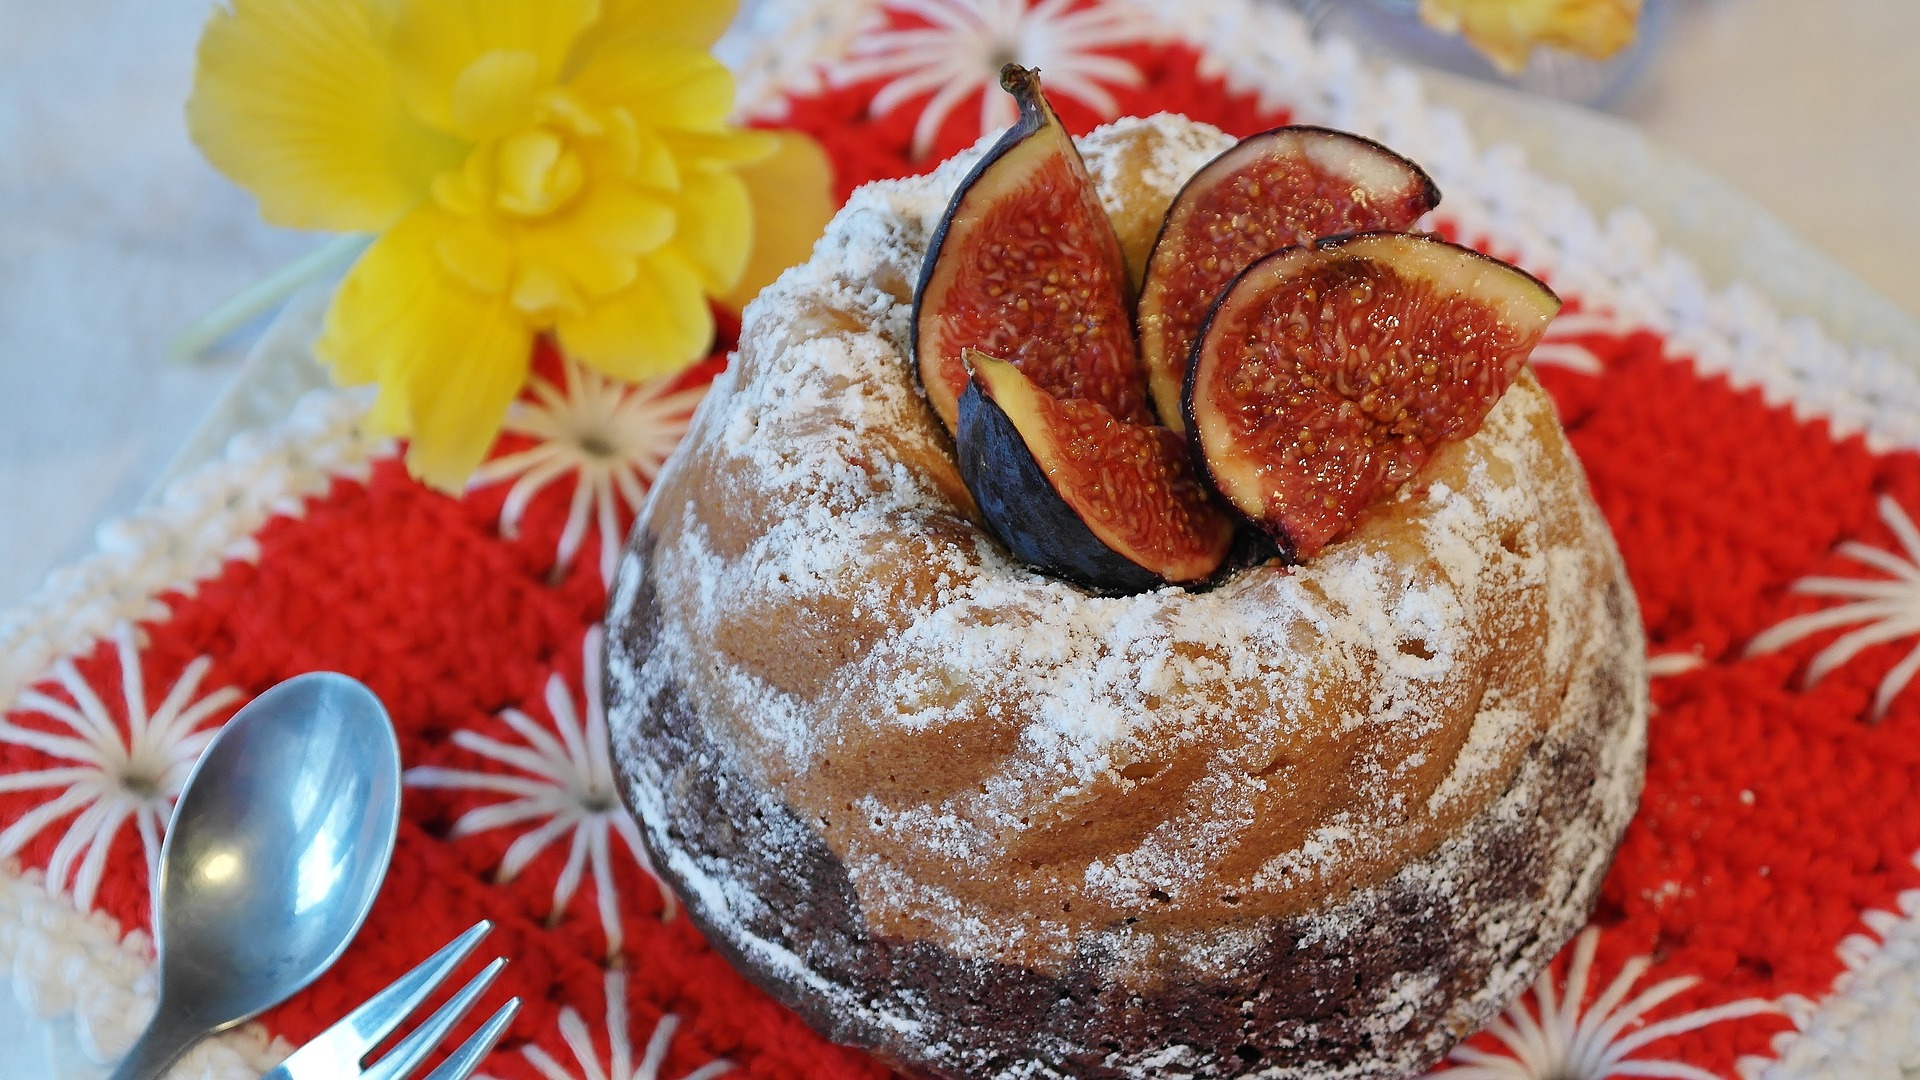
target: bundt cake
1316 820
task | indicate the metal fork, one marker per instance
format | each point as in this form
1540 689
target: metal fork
336 1053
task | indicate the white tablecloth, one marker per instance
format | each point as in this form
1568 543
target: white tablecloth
113 235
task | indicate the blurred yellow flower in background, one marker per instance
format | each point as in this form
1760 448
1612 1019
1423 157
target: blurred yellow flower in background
1508 30
529 166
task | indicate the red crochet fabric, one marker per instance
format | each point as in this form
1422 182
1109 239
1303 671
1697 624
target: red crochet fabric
1775 812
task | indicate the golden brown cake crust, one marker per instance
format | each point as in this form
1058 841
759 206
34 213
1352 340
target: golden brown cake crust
1399 769
1378 985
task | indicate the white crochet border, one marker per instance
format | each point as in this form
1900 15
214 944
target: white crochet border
74 966
69 964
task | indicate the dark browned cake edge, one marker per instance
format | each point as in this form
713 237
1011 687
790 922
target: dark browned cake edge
1382 990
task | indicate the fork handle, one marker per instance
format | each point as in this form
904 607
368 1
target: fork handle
157 1048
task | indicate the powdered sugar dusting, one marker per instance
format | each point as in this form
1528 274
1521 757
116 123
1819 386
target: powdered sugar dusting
1171 149
1019 771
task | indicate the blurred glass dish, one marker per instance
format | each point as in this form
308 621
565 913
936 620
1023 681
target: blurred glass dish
1394 27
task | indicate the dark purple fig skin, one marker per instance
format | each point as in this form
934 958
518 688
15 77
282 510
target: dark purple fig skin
1252 542
1025 513
1284 545
1036 114
1032 118
1421 196
1251 546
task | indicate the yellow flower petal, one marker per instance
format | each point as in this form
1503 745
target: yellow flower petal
389 280
562 269
1596 28
639 156
461 391
448 360
715 228
655 326
475 253
295 101
1507 31
741 146
660 81
622 219
495 93
792 197
536 172
436 41
542 293
691 22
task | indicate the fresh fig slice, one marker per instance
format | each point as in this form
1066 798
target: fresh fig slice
1026 266
1070 489
1291 185
1325 376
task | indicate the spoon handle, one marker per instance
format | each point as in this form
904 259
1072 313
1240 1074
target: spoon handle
158 1047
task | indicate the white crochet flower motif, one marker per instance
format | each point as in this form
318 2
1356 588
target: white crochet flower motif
1883 609
1666 665
564 785
1558 349
611 436
619 1064
1556 1040
960 52
128 768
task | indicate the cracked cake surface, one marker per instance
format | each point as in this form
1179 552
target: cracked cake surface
1316 821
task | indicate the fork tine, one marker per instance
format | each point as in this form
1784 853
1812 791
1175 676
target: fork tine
409 1052
461 1063
376 1019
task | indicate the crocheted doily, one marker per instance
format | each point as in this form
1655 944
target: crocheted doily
1762 479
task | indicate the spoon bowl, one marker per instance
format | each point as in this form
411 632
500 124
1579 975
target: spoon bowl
277 847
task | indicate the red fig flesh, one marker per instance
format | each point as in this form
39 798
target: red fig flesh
1080 494
1288 186
1026 266
1325 376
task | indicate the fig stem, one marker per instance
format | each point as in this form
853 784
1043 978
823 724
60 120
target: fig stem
1024 84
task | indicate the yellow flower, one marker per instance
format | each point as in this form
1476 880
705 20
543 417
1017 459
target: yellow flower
530 166
1508 30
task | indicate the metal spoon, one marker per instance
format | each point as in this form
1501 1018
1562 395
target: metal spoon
277 846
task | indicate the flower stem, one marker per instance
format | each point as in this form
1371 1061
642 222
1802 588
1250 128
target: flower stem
238 310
